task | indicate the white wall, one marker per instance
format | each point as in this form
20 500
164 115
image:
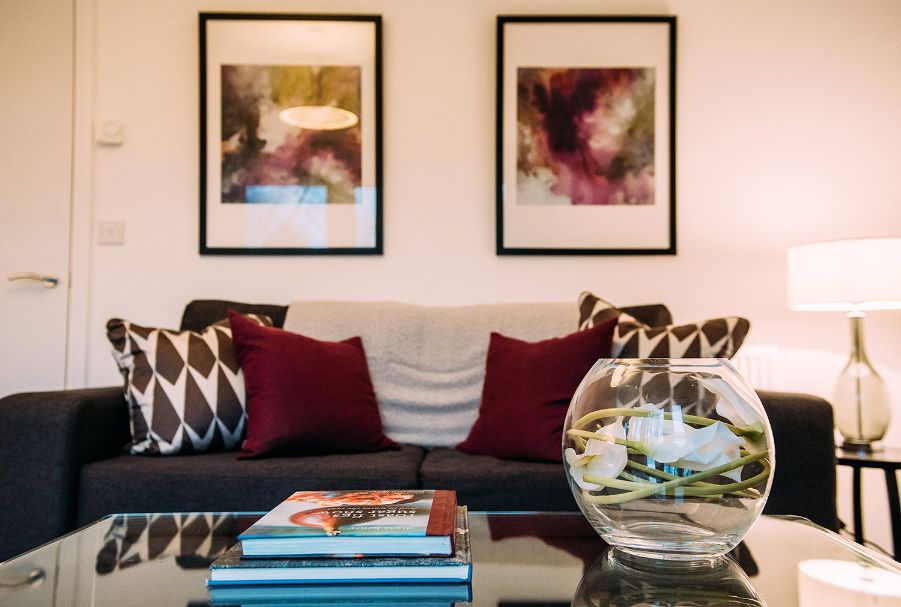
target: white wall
788 131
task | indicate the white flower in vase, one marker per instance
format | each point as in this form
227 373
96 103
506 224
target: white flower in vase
733 405
600 458
671 441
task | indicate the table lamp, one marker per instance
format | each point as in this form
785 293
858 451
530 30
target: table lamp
851 276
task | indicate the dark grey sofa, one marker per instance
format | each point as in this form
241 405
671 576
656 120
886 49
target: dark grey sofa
62 462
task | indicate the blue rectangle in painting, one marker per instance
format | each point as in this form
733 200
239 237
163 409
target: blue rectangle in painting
286 194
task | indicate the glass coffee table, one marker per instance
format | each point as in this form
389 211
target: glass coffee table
519 559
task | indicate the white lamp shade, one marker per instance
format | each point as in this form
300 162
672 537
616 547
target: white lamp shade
830 583
845 275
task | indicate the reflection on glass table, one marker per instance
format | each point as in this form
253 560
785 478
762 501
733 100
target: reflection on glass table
616 578
518 559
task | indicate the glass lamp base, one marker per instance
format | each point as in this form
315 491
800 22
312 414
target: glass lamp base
856 445
862 404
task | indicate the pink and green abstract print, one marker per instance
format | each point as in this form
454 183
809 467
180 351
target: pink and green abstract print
585 136
265 159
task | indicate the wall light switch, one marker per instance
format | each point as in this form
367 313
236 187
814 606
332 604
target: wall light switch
111 232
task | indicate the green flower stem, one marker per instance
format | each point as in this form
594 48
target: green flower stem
731 487
617 483
634 447
753 432
668 486
632 483
637 446
752 493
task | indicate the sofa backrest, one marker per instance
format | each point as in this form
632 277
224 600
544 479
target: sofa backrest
201 313
428 362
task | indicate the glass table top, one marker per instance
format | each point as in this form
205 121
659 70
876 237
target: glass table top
519 559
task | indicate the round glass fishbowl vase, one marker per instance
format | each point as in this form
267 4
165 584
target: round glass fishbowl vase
668 458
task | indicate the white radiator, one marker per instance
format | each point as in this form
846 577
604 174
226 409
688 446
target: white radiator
755 363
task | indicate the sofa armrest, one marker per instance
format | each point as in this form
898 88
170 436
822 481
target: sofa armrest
804 483
45 437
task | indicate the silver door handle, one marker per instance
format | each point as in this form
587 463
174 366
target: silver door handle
35 577
46 279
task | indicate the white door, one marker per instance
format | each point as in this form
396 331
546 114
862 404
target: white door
36 71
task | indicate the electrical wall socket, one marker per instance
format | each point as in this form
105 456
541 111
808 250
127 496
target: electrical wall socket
111 232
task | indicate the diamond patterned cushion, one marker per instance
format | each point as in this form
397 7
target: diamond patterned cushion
185 390
715 338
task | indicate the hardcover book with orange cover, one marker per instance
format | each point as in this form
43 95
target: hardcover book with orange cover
349 523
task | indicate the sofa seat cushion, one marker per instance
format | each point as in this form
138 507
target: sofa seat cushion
483 482
219 482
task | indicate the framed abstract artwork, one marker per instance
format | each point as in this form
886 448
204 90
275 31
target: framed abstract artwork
586 135
290 134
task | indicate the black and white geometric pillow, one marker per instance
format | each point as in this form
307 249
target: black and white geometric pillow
193 540
715 338
185 390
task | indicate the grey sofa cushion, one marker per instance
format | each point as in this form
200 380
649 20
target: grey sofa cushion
218 482
489 483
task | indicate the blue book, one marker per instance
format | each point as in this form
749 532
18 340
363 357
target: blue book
337 595
232 569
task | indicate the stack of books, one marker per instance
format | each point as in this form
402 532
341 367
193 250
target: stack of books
386 545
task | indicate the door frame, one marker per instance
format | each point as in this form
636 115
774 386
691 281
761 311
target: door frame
81 216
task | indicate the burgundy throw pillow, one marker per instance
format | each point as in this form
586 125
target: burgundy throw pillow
527 390
305 396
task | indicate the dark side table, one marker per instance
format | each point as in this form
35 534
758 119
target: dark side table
889 461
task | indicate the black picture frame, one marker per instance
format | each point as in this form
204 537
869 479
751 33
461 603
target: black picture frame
620 218
303 214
